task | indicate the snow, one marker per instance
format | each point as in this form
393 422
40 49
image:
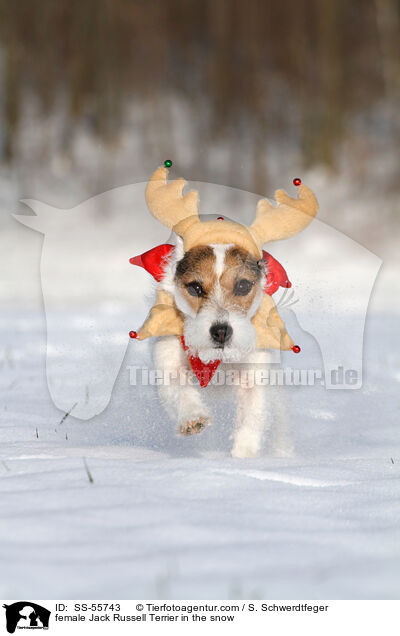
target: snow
172 517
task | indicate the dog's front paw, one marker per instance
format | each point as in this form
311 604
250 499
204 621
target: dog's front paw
192 427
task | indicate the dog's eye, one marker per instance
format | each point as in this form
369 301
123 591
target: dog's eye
195 289
242 287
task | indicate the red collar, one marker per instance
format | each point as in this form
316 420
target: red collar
203 372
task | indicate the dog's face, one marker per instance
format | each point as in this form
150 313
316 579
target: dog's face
218 288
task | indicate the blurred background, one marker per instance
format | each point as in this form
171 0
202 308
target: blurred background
95 93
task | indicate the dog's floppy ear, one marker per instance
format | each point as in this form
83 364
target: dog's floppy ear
288 218
166 202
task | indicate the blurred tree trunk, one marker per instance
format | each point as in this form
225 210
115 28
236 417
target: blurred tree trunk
302 66
12 98
388 24
329 34
256 93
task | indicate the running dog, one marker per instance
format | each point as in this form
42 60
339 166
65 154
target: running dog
213 302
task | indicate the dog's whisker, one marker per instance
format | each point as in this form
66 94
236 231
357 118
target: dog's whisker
282 297
291 300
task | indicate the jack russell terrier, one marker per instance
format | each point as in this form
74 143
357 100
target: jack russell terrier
214 304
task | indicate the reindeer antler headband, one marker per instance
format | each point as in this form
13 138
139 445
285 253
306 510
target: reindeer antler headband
179 212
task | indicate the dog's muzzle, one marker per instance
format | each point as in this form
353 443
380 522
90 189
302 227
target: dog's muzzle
221 333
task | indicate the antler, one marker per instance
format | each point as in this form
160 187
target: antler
165 200
287 219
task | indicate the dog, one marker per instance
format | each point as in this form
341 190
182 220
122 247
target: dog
212 305
218 289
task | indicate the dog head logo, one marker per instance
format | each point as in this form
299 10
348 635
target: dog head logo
332 279
26 615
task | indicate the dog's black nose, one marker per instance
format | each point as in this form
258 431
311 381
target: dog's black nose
221 332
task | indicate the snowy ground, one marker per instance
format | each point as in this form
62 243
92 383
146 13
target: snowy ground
169 517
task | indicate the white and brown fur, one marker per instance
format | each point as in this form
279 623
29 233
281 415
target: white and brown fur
218 289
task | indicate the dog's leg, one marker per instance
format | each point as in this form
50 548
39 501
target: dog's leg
181 399
252 411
